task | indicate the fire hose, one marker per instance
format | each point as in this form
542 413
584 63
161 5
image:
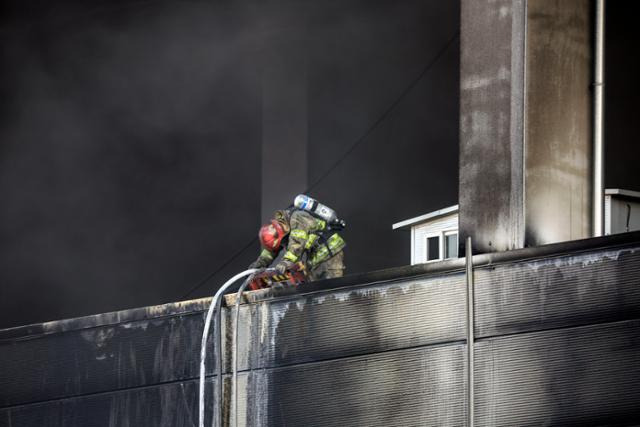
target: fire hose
295 276
216 303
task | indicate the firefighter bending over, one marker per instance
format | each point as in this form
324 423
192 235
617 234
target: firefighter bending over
308 232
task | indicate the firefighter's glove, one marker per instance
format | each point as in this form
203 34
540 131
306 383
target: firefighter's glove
255 264
283 266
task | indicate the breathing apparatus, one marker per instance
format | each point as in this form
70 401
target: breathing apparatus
316 208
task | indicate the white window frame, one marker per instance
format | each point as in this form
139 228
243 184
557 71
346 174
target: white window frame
428 236
446 233
441 242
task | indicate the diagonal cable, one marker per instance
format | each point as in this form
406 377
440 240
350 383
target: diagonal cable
350 150
219 269
386 113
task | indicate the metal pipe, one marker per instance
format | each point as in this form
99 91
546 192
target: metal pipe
470 333
214 307
217 419
216 416
598 123
235 347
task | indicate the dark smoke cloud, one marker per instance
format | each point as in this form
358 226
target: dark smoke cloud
407 166
130 154
622 96
131 131
130 140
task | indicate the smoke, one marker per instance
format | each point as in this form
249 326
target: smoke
407 166
130 140
130 154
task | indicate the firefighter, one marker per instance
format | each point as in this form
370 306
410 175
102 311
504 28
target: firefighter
305 238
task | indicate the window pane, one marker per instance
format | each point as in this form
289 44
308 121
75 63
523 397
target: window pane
433 248
451 246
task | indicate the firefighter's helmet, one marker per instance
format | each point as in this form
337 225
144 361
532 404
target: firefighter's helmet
271 235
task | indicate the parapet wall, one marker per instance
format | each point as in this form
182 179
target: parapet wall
557 343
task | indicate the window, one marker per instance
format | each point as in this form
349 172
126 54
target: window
433 248
451 244
441 245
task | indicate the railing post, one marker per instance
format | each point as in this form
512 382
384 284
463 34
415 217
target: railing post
598 122
470 333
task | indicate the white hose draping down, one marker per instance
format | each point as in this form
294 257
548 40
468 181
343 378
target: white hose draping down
215 302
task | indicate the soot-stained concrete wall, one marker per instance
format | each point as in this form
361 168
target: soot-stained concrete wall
491 124
525 129
558 139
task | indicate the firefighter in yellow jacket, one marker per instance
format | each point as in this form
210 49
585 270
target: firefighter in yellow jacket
305 237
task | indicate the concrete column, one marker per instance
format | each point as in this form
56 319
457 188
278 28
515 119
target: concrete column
525 129
558 138
284 120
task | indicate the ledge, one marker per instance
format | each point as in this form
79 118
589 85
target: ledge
360 279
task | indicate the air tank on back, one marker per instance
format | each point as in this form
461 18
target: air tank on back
314 207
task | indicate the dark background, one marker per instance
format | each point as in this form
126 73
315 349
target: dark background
130 138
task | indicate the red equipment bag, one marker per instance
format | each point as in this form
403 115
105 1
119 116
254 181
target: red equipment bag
266 279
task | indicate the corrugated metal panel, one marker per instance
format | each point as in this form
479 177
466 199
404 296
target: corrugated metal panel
348 322
386 353
164 405
584 376
592 287
415 387
99 359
